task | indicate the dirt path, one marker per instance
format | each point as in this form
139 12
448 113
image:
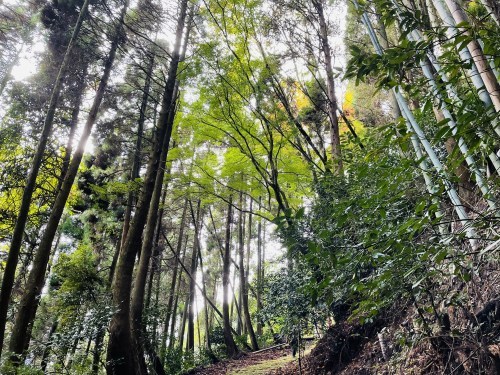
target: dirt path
253 364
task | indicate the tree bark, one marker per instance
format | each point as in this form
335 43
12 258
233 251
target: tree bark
122 354
206 313
259 271
174 318
29 301
171 296
75 113
493 8
48 345
155 272
22 217
384 42
489 79
194 265
154 328
137 298
232 349
330 83
466 186
182 328
96 355
243 280
235 306
69 360
180 281
136 163
208 300
155 256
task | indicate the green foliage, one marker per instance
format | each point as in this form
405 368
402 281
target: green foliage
173 361
73 227
9 369
216 335
218 345
368 239
179 362
288 304
76 282
266 339
356 242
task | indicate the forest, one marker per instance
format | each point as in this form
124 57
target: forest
189 185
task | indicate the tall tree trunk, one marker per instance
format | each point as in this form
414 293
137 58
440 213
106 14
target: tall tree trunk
232 349
131 196
259 271
171 337
121 355
235 307
136 161
198 326
155 272
466 186
443 112
75 113
489 79
243 280
205 310
384 42
22 216
466 56
74 346
155 256
207 299
137 299
249 242
180 283
48 345
211 314
87 350
182 328
29 301
414 127
330 83
173 284
154 328
241 320
493 8
96 355
194 265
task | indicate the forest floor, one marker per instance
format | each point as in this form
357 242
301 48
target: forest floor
352 348
260 363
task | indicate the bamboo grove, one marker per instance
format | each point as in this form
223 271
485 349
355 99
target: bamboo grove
184 181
